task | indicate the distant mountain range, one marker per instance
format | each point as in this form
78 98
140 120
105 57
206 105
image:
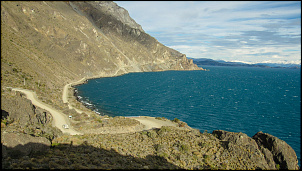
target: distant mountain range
206 61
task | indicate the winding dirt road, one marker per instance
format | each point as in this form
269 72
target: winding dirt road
59 118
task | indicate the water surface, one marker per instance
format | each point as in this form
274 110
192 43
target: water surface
237 99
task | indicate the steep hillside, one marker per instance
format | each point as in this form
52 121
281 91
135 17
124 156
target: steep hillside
45 45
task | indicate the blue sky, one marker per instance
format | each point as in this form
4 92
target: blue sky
248 31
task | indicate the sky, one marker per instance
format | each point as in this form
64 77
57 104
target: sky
245 31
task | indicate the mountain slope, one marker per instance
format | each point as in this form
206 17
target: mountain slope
48 44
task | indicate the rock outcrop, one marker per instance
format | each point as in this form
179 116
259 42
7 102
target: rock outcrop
164 148
23 111
265 151
277 151
24 123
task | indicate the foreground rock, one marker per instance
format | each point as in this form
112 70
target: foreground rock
263 150
166 148
277 151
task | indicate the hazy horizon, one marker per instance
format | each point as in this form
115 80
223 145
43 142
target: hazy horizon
247 31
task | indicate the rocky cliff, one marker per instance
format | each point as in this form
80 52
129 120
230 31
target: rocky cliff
47 44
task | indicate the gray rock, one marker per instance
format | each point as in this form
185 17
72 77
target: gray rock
283 154
22 110
240 145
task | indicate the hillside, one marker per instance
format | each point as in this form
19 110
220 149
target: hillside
48 46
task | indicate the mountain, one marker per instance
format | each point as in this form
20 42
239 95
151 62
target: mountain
47 46
206 61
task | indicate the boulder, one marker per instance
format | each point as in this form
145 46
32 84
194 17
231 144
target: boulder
283 154
243 147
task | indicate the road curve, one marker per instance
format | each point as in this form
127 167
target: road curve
59 118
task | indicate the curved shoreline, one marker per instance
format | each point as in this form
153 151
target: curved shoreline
147 121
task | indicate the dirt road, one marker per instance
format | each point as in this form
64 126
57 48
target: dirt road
59 118
151 122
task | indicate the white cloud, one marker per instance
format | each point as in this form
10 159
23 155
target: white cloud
238 30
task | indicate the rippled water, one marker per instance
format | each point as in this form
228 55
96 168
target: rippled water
237 99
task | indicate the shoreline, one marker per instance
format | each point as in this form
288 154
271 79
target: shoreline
67 88
148 121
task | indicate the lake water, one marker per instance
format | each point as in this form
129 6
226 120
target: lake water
237 99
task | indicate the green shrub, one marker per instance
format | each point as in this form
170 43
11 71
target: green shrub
55 144
184 148
163 130
176 120
206 158
4 121
151 134
163 154
277 166
144 132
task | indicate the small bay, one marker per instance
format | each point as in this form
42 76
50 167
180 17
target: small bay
237 99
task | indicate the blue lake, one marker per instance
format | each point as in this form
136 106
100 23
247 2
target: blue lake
237 99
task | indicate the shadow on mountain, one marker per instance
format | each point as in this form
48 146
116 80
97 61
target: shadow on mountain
84 156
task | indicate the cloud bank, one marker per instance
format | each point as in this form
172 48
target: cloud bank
250 31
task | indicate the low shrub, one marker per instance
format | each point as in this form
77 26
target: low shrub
176 120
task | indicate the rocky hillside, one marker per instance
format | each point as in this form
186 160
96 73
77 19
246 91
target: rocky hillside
164 148
48 44
45 45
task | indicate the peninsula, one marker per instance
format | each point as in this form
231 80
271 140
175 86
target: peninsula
47 47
